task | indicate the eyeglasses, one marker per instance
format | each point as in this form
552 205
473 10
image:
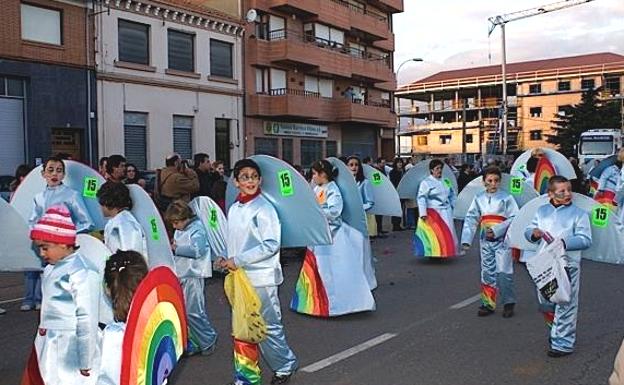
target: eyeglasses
247 178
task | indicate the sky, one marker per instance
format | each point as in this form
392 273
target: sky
452 34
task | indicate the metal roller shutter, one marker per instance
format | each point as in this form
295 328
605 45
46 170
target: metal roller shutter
12 151
135 138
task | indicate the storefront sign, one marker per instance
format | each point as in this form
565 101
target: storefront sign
295 129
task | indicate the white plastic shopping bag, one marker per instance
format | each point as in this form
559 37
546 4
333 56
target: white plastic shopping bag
547 268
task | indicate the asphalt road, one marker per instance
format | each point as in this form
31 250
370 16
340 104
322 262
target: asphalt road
425 330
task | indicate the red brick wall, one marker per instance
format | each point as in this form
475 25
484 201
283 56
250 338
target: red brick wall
73 48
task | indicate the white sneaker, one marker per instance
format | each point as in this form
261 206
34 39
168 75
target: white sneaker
26 307
2 311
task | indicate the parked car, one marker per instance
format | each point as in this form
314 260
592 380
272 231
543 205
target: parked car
5 183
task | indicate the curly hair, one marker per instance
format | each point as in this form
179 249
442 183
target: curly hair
114 195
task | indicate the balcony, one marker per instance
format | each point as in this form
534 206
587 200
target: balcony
300 7
324 56
394 6
291 103
286 102
372 113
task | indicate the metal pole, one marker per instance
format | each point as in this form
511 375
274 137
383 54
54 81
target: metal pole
464 155
504 65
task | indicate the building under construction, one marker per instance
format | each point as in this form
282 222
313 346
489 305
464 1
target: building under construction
437 109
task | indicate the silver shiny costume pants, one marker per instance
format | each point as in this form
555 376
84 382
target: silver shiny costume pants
201 333
496 274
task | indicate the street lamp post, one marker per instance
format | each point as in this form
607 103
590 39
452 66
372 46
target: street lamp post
397 105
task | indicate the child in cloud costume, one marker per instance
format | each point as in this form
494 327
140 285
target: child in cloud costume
492 211
253 244
66 345
562 219
609 184
332 281
193 264
435 235
122 231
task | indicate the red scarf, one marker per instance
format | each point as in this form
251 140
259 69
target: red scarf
246 198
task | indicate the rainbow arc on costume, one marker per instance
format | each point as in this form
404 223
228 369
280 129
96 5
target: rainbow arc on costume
310 295
488 221
433 237
544 171
593 187
488 296
606 198
246 363
156 330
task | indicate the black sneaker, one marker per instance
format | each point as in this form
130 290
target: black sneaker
280 379
484 311
554 353
508 310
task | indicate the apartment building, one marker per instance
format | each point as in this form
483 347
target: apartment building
319 78
435 110
47 84
169 78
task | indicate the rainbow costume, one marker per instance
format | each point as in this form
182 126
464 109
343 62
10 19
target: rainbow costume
570 223
609 184
332 281
435 236
493 211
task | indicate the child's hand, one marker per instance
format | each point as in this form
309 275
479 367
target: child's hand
229 264
173 245
537 234
465 247
424 218
85 372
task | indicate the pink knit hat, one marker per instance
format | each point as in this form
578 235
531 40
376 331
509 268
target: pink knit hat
55 226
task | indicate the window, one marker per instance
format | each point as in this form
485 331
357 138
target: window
270 27
421 140
183 136
535 88
612 85
222 141
278 82
564 86
181 51
564 110
11 87
311 151
357 50
588 84
41 24
385 99
266 146
324 35
469 138
331 148
319 86
536 135
135 130
287 150
445 139
536 112
133 42
221 59
262 81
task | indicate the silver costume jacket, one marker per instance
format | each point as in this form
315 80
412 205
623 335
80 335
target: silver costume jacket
123 232
569 223
253 240
62 194
434 193
366 191
192 253
71 291
330 199
500 203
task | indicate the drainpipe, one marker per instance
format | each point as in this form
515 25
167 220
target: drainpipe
88 78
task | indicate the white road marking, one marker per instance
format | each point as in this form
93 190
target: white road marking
466 302
322 364
11 300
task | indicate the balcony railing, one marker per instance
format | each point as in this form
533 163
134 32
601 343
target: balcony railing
290 91
362 10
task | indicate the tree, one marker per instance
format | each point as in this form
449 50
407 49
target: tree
591 112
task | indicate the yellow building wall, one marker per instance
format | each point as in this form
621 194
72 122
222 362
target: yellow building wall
435 146
230 7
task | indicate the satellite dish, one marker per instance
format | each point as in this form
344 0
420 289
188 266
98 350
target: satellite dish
252 14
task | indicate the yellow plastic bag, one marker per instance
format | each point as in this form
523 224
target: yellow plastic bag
247 322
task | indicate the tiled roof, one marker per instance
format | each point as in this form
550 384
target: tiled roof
528 66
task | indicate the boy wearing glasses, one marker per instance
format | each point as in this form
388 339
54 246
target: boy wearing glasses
560 218
253 244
